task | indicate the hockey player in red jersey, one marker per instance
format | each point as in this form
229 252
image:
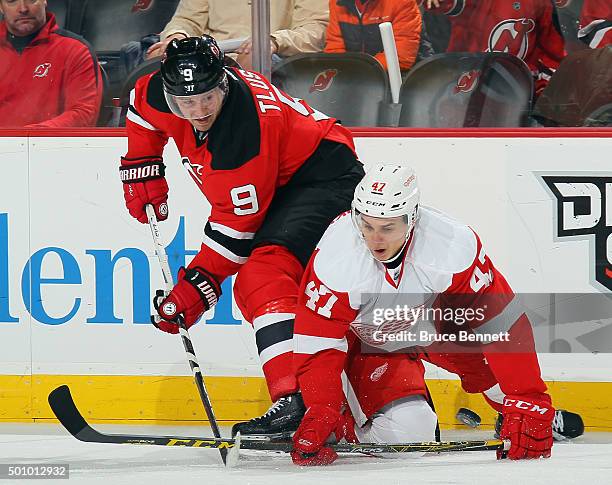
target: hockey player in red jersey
275 171
529 29
596 23
390 251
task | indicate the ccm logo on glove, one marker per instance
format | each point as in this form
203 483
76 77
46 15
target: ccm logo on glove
527 424
527 406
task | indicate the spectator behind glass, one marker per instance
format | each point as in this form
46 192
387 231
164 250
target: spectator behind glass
596 23
529 29
297 26
49 77
353 27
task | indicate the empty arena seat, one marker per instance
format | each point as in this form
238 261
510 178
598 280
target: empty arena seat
109 24
580 92
146 67
467 90
106 109
350 86
61 9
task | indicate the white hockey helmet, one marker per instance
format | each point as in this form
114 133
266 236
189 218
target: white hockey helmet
387 190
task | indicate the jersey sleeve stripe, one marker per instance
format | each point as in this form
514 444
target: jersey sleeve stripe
595 32
270 319
309 344
228 231
495 394
503 321
237 248
134 117
598 37
223 251
275 350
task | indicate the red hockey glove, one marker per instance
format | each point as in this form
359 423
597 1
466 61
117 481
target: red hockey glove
309 440
144 183
528 425
195 292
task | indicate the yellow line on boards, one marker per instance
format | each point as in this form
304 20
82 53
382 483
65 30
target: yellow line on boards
174 400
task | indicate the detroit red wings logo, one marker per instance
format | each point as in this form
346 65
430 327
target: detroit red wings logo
511 36
323 80
42 70
142 5
467 82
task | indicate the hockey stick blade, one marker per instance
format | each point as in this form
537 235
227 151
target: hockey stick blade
64 408
67 413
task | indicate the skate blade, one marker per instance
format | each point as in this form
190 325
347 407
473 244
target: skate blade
273 437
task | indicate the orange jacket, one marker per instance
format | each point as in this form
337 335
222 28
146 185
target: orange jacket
351 31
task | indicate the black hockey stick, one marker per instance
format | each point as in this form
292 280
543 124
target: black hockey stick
191 356
65 410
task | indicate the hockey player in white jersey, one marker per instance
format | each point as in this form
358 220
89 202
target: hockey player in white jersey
386 250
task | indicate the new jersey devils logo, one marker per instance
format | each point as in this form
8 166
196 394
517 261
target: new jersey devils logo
467 82
195 170
323 80
511 36
142 5
42 70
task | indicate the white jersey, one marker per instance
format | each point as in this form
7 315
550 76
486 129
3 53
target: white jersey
444 256
445 271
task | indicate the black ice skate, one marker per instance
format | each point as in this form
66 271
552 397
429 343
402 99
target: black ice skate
566 425
279 422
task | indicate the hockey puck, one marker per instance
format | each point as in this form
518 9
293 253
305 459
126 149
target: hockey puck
468 417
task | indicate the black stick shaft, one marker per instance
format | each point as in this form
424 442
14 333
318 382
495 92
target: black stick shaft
185 338
199 380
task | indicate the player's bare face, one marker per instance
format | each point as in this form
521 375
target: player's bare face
201 110
24 17
384 237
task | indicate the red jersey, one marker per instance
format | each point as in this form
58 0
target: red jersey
260 139
344 289
596 23
55 82
529 29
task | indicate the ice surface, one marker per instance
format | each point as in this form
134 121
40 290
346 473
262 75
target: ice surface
587 460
